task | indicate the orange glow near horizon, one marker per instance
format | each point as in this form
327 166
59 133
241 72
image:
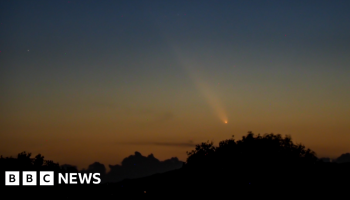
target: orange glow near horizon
160 85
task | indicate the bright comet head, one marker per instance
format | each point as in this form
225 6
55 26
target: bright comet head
225 122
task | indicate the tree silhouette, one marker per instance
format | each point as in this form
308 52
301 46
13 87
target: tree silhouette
344 158
24 160
268 159
39 161
200 155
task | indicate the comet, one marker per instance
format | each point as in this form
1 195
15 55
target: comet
193 69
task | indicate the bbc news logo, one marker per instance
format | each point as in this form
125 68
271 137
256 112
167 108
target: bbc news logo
47 178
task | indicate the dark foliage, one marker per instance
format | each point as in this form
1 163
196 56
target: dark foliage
269 165
262 166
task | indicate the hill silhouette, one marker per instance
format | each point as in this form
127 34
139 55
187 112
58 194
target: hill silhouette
267 164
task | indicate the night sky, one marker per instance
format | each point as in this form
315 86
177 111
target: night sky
92 80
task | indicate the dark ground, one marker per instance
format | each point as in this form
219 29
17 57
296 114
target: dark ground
327 178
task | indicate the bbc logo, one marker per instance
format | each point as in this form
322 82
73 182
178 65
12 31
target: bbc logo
47 178
29 178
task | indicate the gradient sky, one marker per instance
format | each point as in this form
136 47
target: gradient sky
88 80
